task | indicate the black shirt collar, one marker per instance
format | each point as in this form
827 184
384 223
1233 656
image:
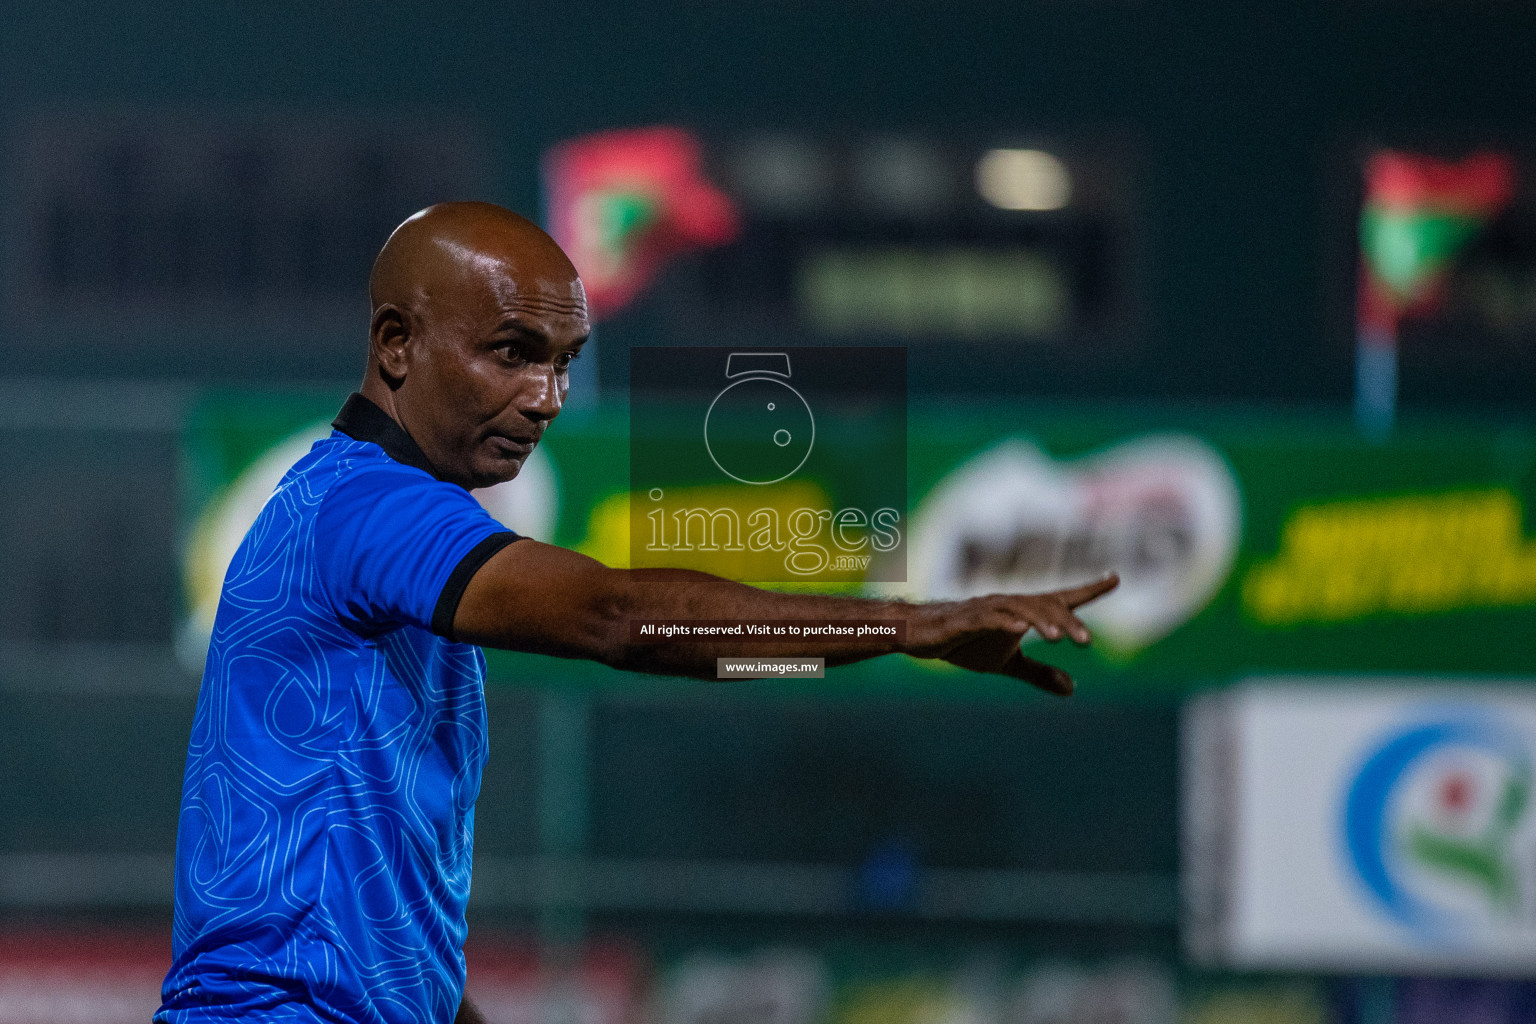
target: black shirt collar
361 420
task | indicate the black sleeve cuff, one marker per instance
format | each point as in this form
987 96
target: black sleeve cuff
453 591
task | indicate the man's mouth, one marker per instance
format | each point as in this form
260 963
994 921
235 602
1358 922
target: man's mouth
513 447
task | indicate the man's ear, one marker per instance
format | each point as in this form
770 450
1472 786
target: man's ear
390 338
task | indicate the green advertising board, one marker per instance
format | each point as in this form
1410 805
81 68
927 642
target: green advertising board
1248 544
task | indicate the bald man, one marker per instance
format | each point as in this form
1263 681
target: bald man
323 849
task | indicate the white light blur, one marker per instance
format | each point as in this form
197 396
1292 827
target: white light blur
1023 179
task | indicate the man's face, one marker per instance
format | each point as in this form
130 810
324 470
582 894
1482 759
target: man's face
489 369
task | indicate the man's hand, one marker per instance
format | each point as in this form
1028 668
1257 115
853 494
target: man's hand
549 600
985 632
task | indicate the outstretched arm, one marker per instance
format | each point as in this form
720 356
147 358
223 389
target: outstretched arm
550 600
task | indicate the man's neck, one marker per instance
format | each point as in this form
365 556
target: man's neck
363 419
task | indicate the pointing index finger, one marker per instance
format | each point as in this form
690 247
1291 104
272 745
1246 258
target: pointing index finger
1088 591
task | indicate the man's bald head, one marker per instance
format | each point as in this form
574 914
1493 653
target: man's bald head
445 247
477 314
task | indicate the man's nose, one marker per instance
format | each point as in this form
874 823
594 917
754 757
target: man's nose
544 396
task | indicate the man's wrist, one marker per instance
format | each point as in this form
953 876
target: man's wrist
928 629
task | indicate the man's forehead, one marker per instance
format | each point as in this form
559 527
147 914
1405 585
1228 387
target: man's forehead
514 282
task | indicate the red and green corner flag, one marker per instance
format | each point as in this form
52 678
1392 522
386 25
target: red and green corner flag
1420 214
623 203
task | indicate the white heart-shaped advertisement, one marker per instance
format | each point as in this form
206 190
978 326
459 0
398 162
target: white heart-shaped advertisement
1162 510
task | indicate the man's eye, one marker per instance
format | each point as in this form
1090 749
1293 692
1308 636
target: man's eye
565 359
511 353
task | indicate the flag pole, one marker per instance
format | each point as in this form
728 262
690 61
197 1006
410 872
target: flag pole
1375 380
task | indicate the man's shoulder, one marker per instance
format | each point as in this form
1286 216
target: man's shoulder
347 474
338 452
339 471
338 459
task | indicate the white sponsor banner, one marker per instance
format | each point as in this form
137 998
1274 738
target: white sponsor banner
1162 510
1362 827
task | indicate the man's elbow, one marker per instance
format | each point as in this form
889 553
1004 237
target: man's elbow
610 608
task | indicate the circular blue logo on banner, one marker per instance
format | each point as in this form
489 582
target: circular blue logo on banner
1430 823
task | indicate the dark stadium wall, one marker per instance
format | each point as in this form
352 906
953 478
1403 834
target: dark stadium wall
1243 119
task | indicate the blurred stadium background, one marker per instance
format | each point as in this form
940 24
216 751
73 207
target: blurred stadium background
1237 299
